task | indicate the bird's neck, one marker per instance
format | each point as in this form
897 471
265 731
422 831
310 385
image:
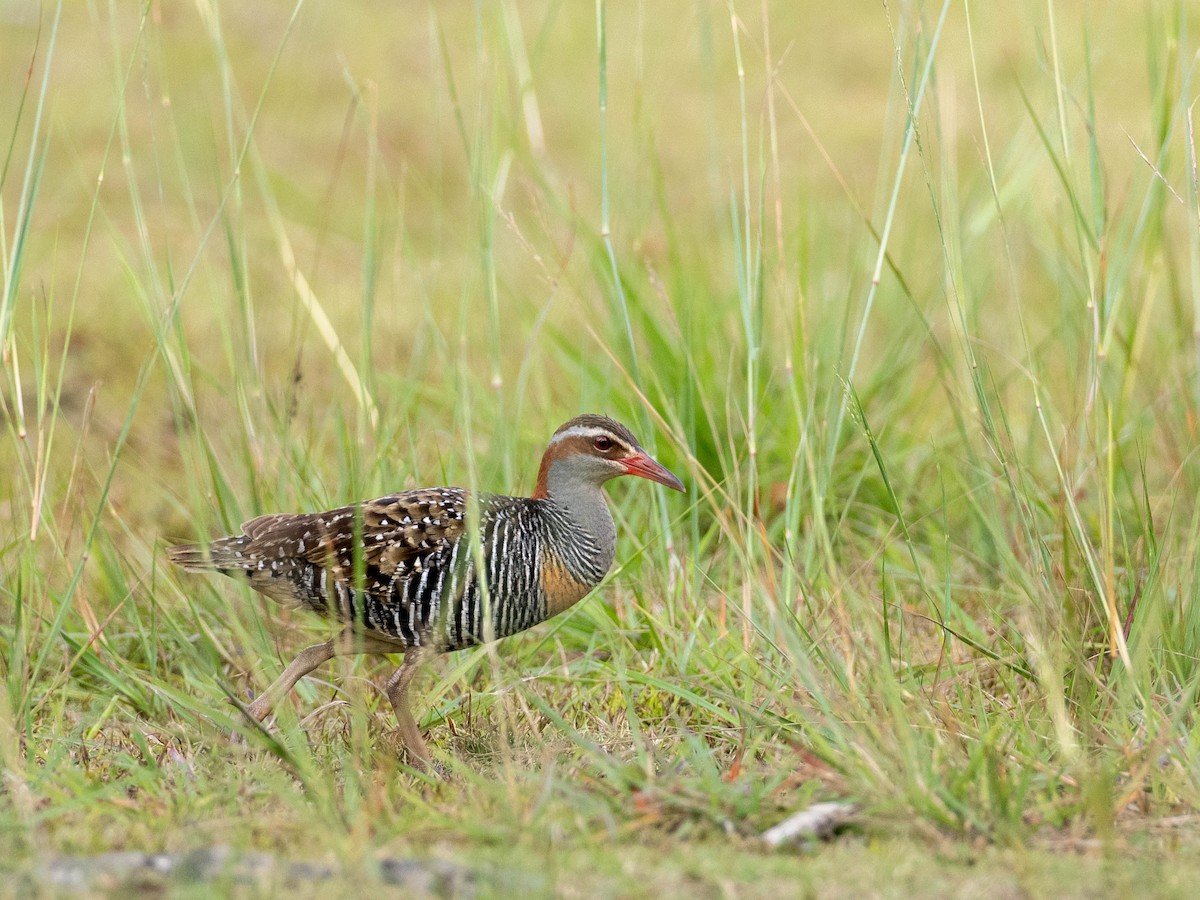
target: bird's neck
583 509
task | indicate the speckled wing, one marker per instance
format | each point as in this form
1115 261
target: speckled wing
391 534
310 558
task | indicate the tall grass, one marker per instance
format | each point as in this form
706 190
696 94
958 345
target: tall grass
907 295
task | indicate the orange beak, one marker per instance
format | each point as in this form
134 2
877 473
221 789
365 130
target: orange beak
643 466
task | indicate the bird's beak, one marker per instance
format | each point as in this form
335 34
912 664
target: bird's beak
644 466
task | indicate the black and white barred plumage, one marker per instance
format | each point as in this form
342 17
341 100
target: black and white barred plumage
404 566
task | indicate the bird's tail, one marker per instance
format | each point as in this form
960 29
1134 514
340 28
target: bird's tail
223 555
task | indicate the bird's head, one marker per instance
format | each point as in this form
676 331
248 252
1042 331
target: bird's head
589 450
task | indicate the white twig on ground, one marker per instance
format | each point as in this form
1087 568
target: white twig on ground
817 821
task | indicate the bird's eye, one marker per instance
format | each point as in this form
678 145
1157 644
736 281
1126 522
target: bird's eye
603 444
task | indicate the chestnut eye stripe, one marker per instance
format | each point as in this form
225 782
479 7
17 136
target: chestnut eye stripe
590 433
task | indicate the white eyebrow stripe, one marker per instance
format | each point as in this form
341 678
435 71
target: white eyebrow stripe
590 431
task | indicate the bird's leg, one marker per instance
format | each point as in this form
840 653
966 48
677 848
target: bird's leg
344 644
397 693
306 660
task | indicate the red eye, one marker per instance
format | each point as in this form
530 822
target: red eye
603 444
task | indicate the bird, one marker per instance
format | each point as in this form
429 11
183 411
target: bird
401 573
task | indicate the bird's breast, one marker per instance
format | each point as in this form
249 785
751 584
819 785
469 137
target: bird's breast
561 588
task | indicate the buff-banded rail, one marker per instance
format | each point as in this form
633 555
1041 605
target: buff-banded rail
402 572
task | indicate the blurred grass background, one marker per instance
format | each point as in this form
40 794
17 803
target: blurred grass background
907 294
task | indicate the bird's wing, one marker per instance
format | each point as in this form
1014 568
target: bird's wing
389 535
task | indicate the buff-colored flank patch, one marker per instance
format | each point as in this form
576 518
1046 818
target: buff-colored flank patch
562 590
